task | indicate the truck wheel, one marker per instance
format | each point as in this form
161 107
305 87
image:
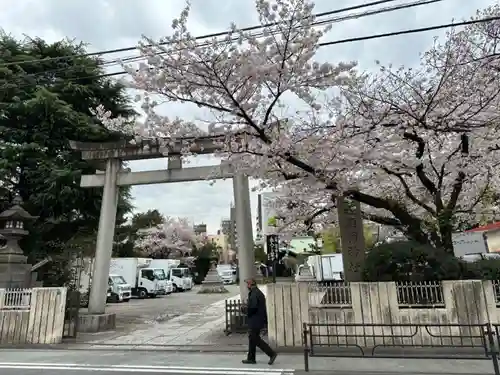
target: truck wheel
143 293
175 289
114 298
126 300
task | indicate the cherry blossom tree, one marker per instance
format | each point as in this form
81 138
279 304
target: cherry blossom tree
174 238
425 157
421 153
415 146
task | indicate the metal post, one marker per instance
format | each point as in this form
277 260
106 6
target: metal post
246 255
105 234
493 351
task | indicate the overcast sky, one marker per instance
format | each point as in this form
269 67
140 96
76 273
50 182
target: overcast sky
106 24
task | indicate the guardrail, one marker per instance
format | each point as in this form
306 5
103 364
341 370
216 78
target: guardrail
424 341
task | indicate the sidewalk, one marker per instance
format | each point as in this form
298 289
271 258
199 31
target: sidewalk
187 329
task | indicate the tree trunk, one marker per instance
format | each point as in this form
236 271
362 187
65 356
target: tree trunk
352 238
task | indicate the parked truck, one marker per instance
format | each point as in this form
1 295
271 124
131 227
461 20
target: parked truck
227 273
179 276
326 268
118 289
146 280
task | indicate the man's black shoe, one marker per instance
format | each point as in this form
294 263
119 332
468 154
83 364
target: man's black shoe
249 362
272 359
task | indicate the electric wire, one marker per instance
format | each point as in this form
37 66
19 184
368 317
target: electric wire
338 19
206 36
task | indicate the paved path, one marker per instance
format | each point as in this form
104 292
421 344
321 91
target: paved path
189 328
135 360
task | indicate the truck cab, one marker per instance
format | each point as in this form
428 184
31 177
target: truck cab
148 284
165 286
227 273
180 278
118 289
138 272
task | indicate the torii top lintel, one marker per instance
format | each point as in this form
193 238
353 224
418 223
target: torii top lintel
146 149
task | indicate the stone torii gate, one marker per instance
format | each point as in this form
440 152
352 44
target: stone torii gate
108 157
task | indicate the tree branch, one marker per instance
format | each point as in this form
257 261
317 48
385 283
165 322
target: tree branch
429 185
408 191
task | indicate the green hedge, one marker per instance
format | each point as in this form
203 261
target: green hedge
411 261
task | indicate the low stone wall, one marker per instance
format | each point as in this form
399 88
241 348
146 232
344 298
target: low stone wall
367 317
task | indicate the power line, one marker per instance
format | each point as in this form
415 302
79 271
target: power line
410 31
384 35
201 37
317 23
343 41
260 34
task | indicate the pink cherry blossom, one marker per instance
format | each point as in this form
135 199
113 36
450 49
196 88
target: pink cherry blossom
175 237
417 147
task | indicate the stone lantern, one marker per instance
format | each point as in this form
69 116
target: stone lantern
14 271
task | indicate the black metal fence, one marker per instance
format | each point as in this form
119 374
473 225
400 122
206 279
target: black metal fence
425 341
236 319
71 314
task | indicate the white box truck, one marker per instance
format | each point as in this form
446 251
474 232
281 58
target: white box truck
146 281
227 273
118 289
326 268
179 276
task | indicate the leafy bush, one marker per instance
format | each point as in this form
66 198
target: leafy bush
411 261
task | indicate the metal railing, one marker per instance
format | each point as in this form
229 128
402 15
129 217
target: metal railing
236 319
418 341
423 294
338 295
16 300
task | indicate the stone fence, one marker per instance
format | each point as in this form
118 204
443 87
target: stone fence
352 312
32 316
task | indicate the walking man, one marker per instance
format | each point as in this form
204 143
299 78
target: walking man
257 321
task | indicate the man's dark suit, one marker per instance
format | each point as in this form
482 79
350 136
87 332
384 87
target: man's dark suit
257 321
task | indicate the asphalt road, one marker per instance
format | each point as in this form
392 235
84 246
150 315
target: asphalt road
121 362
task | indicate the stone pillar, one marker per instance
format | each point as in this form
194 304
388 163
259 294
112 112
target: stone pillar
105 234
352 238
246 256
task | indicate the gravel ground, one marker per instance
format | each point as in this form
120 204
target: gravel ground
137 314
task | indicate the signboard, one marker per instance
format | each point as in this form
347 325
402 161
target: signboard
469 243
272 246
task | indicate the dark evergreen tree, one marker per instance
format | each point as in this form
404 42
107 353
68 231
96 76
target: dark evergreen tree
47 91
